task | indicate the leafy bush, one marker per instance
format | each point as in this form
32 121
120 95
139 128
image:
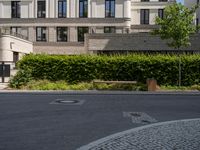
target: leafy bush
21 78
85 68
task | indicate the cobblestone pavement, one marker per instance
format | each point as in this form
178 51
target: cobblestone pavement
173 135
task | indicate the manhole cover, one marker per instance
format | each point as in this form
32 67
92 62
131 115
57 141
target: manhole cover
139 117
68 102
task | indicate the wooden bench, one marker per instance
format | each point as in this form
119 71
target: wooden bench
151 83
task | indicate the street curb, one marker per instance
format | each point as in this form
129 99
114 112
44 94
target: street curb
120 134
96 92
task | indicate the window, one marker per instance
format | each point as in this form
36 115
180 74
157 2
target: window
144 16
41 34
41 9
62 34
16 9
109 8
144 0
83 8
15 57
197 2
109 30
62 9
15 30
161 13
81 32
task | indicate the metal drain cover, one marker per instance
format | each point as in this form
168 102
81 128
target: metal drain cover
139 117
68 102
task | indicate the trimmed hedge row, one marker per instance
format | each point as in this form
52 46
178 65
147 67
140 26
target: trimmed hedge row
164 68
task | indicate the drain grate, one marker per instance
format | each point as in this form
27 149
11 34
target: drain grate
68 102
139 117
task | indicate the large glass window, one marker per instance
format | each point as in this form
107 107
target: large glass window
109 8
109 30
144 16
62 34
41 34
161 13
41 9
62 9
83 8
81 33
16 9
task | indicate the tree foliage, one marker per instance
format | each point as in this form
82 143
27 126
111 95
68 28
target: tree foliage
177 25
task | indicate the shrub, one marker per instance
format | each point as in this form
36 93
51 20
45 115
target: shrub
85 68
21 78
45 85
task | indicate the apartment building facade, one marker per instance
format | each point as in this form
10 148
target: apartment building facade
60 26
191 3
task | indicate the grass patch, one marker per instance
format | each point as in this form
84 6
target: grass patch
182 88
63 85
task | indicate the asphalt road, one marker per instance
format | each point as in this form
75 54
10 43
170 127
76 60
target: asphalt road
33 122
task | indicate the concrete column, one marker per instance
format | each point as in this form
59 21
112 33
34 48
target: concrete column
52 34
93 9
76 8
35 9
52 9
74 5
72 34
32 34
47 8
89 9
127 8
31 9
68 8
1 10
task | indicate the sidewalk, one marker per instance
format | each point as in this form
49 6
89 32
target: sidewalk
3 86
172 135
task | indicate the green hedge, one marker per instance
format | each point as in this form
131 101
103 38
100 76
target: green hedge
164 68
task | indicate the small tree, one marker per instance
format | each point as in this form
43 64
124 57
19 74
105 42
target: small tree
176 26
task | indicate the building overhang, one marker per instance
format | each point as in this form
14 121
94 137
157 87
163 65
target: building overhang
4 22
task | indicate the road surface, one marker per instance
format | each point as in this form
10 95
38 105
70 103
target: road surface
39 121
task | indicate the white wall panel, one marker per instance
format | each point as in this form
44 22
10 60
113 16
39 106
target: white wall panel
6 9
119 8
1 10
24 9
100 9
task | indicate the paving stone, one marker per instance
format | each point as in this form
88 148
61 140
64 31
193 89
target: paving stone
174 135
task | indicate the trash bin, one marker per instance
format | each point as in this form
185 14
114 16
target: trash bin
151 84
